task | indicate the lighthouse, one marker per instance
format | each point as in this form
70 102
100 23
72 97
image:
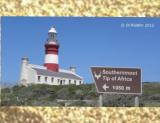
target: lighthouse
50 73
51 51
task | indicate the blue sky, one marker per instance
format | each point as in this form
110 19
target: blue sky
84 42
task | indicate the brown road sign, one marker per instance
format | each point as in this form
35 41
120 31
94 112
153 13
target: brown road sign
117 80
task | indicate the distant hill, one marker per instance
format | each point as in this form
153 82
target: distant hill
72 95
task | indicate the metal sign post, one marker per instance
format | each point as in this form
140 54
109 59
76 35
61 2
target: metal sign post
136 101
100 100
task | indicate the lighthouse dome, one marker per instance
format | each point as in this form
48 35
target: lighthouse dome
52 36
52 30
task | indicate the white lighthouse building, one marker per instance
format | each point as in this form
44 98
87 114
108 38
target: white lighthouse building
50 73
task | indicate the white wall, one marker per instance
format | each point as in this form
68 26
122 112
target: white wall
56 81
31 75
23 72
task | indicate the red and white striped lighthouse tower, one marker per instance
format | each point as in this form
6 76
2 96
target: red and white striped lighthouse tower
51 51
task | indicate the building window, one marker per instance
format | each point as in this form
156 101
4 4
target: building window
61 82
69 82
39 78
45 79
52 79
80 82
74 81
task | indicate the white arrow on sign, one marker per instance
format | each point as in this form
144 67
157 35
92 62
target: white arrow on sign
105 87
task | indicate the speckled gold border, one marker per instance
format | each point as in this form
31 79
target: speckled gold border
140 8
98 8
78 115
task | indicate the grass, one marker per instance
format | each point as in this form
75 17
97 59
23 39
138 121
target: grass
46 95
